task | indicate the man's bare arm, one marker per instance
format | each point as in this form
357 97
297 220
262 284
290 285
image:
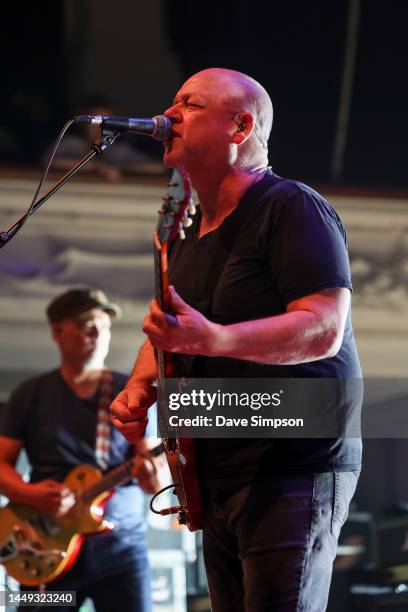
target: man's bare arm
144 371
47 495
11 483
129 408
312 328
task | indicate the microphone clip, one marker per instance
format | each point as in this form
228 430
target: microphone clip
109 137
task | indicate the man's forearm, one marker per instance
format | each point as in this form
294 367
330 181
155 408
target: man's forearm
12 485
288 339
144 371
312 328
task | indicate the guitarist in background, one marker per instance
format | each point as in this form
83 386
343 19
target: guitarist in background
54 418
280 307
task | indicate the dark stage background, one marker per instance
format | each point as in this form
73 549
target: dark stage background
55 53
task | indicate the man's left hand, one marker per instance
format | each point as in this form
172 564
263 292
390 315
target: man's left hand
184 331
149 473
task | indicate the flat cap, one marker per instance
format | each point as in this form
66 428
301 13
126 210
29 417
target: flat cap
78 300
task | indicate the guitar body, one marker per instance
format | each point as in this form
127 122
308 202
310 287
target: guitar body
37 547
182 466
181 459
180 452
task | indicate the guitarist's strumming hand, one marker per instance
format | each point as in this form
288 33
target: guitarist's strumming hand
129 410
50 496
184 331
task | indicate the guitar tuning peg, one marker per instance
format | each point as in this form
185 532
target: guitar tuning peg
181 232
187 221
191 207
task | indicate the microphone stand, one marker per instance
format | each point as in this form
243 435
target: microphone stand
97 148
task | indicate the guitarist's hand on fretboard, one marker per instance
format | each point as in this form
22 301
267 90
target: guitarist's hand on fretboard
184 331
148 473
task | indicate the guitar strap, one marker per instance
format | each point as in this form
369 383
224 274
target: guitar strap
102 438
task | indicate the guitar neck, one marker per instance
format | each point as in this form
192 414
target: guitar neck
161 284
173 216
118 475
165 367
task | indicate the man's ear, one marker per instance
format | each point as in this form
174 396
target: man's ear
244 125
56 330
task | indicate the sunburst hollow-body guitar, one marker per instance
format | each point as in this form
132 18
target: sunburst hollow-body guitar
38 547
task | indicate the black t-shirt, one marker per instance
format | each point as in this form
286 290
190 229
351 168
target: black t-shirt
283 241
58 431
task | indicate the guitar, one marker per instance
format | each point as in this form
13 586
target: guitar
37 547
180 452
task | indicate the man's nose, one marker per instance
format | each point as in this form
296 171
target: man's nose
173 113
93 331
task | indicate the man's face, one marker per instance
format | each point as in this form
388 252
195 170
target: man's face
202 123
85 338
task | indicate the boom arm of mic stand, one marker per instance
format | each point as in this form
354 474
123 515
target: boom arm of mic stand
96 149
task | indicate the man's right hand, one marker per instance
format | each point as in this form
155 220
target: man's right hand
50 496
129 411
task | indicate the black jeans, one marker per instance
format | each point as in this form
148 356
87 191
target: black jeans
271 546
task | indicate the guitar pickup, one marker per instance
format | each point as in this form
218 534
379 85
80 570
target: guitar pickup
45 524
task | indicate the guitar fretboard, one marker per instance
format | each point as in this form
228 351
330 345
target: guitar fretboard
118 475
162 415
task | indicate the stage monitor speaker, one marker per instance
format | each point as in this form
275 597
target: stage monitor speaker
393 541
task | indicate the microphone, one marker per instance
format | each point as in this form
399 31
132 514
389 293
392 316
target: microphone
158 127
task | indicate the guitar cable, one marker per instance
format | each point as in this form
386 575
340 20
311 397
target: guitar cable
165 511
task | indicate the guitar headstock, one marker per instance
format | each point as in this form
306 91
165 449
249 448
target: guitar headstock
177 208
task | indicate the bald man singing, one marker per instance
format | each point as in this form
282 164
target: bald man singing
260 289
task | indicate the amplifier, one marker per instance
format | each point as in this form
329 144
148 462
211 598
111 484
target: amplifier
392 537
